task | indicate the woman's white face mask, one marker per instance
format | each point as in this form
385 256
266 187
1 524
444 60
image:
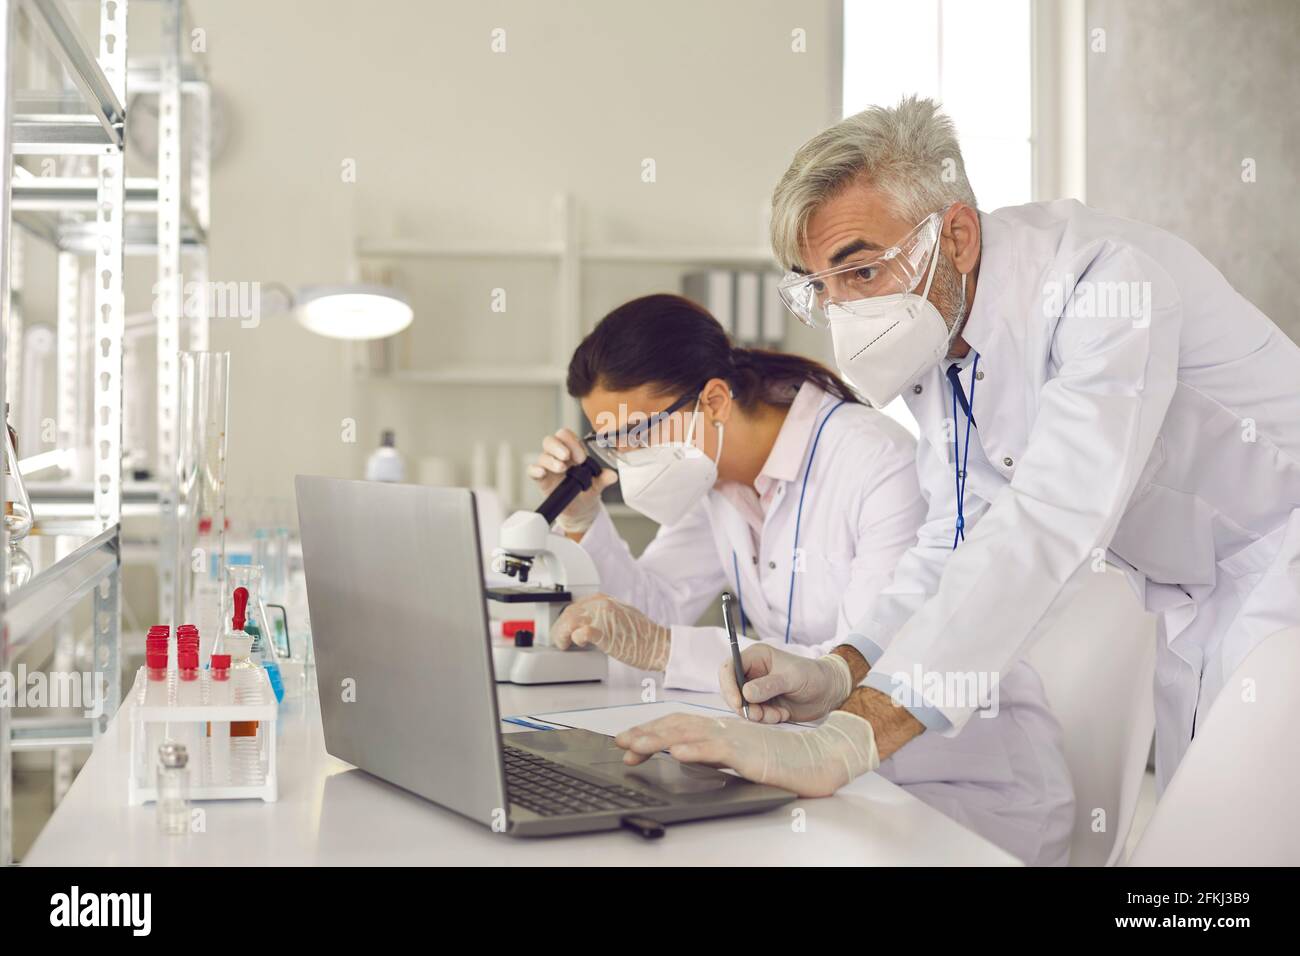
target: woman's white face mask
884 344
665 481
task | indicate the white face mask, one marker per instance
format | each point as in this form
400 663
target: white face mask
884 344
663 482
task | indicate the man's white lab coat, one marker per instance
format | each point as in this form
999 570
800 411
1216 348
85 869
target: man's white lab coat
1130 406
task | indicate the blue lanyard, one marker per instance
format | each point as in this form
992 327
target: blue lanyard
798 520
960 455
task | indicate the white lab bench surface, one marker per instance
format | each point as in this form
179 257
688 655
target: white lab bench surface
331 814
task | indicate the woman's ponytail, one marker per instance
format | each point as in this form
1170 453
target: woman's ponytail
764 375
669 341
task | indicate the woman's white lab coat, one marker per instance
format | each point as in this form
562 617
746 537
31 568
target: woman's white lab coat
1130 405
1005 777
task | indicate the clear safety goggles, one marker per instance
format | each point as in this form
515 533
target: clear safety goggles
896 270
646 431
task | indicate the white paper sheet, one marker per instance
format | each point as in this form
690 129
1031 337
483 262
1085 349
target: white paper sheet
612 721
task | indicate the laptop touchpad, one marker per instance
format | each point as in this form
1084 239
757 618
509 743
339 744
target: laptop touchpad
666 774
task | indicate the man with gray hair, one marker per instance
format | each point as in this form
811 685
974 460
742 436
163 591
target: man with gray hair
1088 390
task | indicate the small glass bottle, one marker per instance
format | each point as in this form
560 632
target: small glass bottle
279 589
18 507
173 789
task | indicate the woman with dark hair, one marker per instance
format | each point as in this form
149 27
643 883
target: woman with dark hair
729 449
770 478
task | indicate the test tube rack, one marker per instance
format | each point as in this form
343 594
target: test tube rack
222 766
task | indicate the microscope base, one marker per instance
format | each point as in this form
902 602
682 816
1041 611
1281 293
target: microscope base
547 665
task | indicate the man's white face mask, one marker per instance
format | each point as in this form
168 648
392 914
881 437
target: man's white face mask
885 335
665 481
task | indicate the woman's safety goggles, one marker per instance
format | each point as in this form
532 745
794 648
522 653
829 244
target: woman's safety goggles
639 432
895 271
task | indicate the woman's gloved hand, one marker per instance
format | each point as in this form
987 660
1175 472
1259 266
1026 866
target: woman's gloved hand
622 632
812 763
781 686
559 453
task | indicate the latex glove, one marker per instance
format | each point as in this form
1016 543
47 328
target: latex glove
622 632
781 686
812 763
560 452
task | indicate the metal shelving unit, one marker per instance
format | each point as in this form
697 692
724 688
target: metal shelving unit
95 223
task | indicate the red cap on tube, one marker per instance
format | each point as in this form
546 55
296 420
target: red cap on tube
156 660
189 659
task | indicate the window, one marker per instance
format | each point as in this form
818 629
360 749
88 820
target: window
974 58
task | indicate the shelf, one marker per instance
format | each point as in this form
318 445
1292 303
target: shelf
65 568
144 75
52 732
77 194
483 375
463 249
747 256
71 135
64 135
67 507
40 202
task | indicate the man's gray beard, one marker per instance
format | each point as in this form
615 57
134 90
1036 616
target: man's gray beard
946 294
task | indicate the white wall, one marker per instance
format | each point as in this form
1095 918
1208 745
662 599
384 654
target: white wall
450 141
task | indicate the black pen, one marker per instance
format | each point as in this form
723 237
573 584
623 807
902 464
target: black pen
736 664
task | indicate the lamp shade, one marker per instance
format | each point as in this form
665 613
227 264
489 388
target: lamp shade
353 311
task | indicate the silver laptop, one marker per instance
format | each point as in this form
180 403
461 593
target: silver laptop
404 668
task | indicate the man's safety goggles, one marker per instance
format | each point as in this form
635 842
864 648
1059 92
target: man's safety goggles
896 270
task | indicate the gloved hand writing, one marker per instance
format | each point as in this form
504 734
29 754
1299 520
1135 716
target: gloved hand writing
622 632
812 763
560 452
781 686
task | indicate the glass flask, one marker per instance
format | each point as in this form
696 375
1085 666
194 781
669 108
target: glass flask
256 623
18 507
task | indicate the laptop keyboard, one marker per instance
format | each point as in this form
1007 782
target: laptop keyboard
546 788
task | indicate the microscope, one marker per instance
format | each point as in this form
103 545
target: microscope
552 571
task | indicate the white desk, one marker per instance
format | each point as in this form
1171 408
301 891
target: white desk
331 814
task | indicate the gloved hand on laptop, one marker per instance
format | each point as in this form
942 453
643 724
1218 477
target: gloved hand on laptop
812 763
622 632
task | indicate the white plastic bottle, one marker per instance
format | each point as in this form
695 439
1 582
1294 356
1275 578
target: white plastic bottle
505 474
385 462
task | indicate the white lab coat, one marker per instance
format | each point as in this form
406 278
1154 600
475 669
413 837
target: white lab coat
1165 439
1005 778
